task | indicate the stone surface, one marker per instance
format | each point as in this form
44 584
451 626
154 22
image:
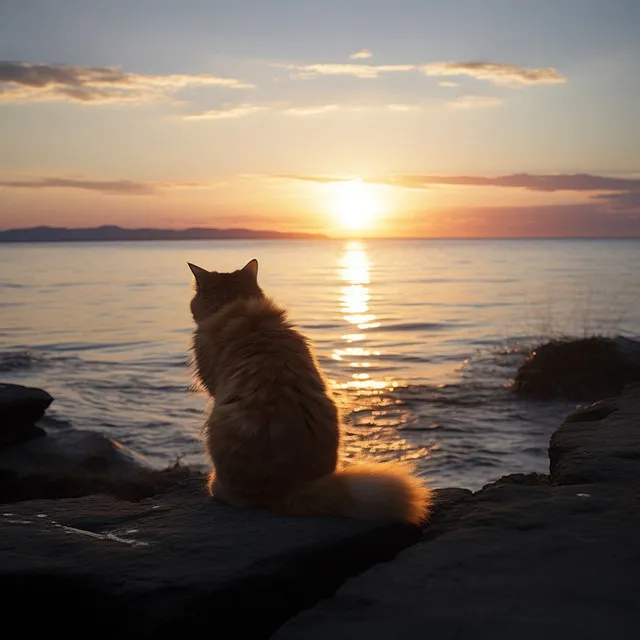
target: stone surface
72 463
20 408
176 564
593 412
582 370
604 450
519 561
528 556
68 451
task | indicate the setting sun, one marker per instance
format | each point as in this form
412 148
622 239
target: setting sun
355 203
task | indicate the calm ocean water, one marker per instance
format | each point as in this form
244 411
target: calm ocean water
420 338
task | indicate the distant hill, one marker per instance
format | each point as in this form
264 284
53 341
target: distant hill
114 234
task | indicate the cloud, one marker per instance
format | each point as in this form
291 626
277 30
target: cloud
238 111
312 110
448 83
624 201
533 182
105 187
26 81
607 193
326 108
475 102
520 222
403 107
496 72
361 55
366 71
243 110
318 179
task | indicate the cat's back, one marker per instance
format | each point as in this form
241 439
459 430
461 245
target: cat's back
259 351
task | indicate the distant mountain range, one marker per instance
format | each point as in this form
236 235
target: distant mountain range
114 234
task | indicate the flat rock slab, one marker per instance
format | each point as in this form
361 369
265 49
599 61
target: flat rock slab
176 564
517 562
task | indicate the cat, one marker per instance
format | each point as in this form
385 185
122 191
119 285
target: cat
273 433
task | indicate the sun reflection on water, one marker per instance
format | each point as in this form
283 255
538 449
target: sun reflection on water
354 304
375 413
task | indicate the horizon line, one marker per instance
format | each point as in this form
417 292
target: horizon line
284 235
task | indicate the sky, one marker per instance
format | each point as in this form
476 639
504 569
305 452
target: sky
465 118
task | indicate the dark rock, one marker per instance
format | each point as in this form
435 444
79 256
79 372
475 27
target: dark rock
449 496
585 369
133 487
71 463
69 451
446 506
607 450
521 562
528 557
176 565
593 412
527 479
20 434
443 500
20 408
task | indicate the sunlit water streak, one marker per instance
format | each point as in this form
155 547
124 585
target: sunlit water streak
419 339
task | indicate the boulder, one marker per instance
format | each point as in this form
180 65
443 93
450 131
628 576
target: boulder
67 462
20 408
584 369
599 444
77 462
176 565
68 451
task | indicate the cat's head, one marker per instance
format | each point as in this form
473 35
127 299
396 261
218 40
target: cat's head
214 290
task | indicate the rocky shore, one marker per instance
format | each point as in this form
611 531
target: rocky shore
96 543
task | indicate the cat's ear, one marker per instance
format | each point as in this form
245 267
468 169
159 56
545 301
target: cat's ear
251 268
199 273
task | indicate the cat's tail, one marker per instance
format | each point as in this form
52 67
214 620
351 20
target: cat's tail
378 492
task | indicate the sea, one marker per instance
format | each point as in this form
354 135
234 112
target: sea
419 339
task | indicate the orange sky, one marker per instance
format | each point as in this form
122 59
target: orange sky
472 124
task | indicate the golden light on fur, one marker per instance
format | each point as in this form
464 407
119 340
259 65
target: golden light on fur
273 434
356 204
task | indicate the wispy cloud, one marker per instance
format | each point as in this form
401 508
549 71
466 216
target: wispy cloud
244 110
448 84
26 81
312 110
474 102
580 220
403 107
616 194
238 111
105 187
496 72
624 201
363 54
367 71
533 182
319 179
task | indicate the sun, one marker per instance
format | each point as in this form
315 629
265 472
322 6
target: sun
355 203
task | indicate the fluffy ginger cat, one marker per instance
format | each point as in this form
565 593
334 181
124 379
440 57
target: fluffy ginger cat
273 434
